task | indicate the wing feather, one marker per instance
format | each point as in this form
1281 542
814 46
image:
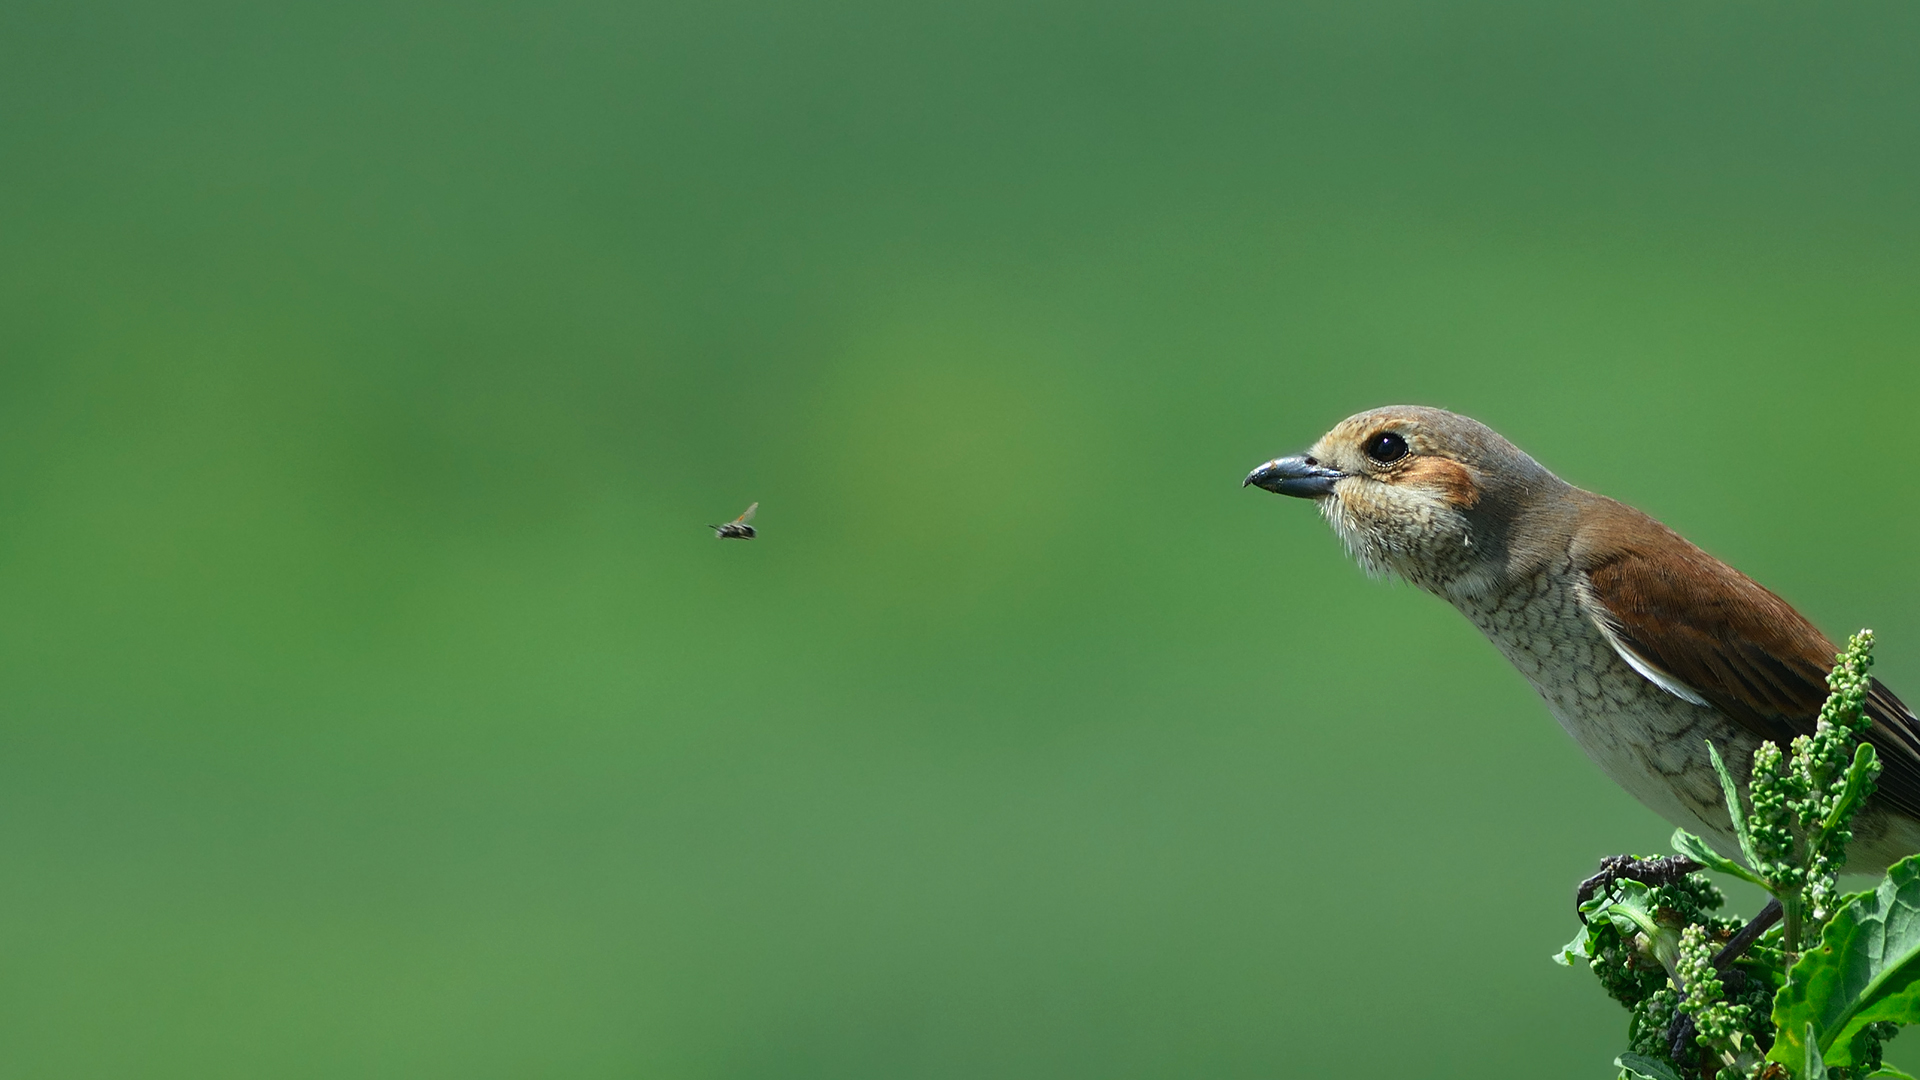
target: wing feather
1739 647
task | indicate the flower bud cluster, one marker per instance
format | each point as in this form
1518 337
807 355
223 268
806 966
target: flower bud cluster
1773 791
1799 825
1822 812
1720 1025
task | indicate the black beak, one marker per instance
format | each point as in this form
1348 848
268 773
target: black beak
1298 476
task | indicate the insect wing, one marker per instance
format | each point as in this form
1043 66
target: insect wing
748 516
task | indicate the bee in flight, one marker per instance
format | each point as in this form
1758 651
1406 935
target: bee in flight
737 529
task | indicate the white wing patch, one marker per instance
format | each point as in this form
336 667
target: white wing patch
1653 674
1634 660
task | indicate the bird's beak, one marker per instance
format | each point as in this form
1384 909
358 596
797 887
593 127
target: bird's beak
1299 476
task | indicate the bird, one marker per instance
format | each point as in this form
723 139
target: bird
1643 646
737 529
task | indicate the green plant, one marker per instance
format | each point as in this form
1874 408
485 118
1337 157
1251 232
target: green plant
1814 985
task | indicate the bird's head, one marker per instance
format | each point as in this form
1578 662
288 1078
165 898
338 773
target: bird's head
1421 493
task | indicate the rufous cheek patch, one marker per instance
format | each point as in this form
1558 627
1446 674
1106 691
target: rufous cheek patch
1451 479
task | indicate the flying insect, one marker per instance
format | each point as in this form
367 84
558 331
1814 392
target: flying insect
737 529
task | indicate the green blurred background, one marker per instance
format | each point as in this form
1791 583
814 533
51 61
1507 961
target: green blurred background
375 703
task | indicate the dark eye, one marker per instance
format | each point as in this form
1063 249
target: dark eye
1386 448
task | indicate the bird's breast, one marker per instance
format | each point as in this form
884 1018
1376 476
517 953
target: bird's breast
1646 739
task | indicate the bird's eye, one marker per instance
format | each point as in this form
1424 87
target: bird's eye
1386 448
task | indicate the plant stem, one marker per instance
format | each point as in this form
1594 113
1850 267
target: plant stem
1790 906
1749 934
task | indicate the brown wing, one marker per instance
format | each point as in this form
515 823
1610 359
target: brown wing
1743 649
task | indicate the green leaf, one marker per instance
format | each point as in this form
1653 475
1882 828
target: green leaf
1632 914
1812 1066
1642 1067
1866 969
1580 948
1888 1072
1864 768
1685 843
1731 791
